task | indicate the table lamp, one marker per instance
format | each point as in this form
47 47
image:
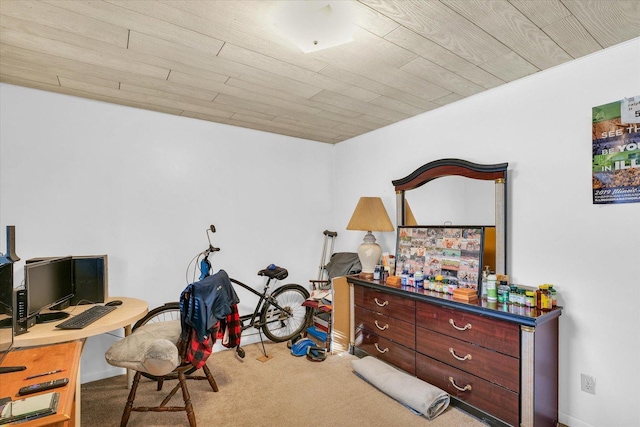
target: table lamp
369 215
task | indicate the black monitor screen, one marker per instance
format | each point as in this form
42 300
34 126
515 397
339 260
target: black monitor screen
48 283
6 288
6 308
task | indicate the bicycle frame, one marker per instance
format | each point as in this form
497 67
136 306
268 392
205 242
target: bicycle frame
255 316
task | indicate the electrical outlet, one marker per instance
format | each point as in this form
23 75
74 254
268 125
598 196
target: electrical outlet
588 383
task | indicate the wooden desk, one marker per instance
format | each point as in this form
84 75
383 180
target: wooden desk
44 359
123 316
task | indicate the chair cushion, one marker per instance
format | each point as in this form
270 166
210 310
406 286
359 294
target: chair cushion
150 348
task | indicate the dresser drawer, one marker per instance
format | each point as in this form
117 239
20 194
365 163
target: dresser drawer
382 302
494 367
488 397
497 335
386 327
392 353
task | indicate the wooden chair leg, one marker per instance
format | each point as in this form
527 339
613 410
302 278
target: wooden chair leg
212 381
187 399
132 395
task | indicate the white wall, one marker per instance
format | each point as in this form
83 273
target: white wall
84 177
541 125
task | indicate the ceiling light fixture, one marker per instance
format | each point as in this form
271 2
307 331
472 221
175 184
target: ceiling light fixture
313 25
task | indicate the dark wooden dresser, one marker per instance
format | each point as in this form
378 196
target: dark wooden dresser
497 361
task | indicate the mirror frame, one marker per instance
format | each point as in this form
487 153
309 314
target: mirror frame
457 167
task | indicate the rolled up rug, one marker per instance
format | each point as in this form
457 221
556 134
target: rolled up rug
412 392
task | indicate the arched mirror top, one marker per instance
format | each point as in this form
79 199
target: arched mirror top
449 167
463 168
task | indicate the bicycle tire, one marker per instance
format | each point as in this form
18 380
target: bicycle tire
278 328
168 312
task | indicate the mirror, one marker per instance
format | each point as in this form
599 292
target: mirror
460 201
460 193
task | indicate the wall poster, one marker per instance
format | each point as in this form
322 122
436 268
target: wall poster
616 152
454 252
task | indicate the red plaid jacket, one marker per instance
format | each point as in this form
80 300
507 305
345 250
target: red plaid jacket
228 330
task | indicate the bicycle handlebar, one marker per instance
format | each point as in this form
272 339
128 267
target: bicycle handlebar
211 249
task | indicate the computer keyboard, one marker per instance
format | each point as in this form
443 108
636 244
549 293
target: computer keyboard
87 317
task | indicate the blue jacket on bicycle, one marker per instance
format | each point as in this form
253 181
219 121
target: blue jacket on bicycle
204 303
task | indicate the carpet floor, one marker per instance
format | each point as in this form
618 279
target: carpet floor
282 391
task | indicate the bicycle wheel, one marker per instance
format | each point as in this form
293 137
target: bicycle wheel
169 311
282 325
166 313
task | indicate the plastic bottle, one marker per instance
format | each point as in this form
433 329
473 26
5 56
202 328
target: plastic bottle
492 291
376 273
522 297
404 277
503 292
453 285
545 299
418 279
554 295
531 299
513 295
485 275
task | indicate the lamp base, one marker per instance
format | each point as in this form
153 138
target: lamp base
369 253
365 276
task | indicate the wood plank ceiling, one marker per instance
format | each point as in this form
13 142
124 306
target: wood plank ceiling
224 62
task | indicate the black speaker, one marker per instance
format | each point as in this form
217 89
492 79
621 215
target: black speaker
90 276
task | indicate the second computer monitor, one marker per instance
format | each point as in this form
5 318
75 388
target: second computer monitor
49 285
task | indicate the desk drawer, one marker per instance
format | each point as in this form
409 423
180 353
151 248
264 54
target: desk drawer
488 397
386 327
382 302
494 367
390 352
497 335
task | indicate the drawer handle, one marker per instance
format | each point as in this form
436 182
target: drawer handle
382 328
465 388
467 326
381 351
462 359
381 304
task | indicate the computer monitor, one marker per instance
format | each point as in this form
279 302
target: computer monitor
49 285
6 308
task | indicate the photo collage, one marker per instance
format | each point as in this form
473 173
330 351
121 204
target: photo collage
447 251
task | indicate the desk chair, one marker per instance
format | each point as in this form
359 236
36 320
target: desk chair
152 350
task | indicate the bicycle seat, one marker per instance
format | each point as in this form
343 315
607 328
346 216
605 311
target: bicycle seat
274 272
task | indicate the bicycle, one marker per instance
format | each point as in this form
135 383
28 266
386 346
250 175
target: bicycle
279 313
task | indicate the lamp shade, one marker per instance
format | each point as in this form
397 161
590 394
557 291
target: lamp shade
370 215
